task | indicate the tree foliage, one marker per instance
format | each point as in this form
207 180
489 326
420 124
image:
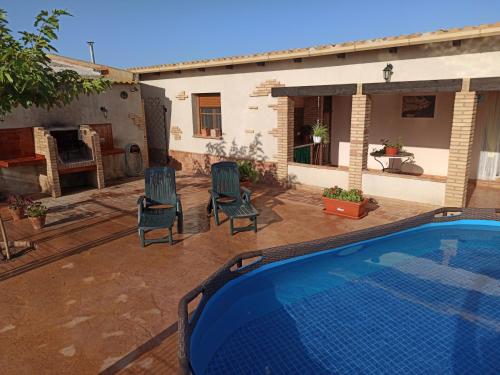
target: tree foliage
26 77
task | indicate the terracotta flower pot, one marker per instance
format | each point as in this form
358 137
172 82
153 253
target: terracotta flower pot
206 132
38 222
391 151
17 213
352 210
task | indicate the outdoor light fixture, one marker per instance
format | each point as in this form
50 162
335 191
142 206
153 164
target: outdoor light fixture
388 72
104 111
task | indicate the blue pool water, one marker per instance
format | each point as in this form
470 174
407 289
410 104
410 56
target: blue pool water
423 301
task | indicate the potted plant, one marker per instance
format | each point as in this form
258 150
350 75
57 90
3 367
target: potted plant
345 203
392 148
37 213
319 132
17 205
206 132
248 173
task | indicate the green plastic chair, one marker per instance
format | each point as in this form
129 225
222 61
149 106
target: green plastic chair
229 197
160 190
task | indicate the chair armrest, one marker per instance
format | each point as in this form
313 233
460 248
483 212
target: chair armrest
246 193
141 200
214 194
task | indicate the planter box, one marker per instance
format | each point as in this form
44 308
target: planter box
352 210
38 222
17 214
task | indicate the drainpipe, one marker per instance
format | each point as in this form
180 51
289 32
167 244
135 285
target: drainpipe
91 48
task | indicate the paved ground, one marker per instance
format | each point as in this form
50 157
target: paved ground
89 300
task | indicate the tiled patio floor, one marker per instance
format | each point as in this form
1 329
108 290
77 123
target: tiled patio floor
89 300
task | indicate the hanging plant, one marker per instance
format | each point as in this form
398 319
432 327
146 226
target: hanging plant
320 132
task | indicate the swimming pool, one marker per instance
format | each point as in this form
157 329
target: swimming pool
422 299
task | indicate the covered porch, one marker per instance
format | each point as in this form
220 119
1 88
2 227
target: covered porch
448 128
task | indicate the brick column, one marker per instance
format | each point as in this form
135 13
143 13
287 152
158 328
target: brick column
92 140
462 134
358 155
285 137
45 145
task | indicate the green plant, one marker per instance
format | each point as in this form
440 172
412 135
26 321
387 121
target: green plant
26 76
16 202
388 143
320 130
36 209
247 171
352 195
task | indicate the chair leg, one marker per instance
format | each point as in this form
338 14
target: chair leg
255 224
231 226
180 223
209 207
170 236
141 237
216 213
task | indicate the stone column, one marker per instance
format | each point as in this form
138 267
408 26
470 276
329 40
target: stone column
460 153
285 137
360 123
45 145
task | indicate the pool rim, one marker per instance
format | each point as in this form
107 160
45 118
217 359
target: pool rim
234 267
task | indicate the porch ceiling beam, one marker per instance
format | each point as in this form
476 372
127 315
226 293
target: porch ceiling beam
485 84
324 90
441 85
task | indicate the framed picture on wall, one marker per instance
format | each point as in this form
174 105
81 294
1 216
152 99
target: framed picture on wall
419 106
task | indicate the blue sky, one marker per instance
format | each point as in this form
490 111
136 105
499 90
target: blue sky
135 33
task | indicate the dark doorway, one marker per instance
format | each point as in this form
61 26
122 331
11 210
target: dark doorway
156 124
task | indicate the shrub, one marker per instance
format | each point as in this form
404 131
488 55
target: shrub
353 195
16 201
247 171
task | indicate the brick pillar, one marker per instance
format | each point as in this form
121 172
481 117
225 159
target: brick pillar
285 137
46 145
92 140
462 134
360 123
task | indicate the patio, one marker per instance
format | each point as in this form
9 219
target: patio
89 300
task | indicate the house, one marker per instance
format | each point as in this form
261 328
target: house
83 143
437 91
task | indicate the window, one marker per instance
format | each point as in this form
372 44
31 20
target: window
208 115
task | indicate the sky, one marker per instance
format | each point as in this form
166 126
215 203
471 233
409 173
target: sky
138 33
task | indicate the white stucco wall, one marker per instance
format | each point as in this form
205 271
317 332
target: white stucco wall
318 176
407 189
86 110
242 126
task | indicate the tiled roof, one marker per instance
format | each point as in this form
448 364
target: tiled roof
90 70
468 32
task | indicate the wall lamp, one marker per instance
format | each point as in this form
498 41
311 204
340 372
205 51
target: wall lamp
388 72
104 111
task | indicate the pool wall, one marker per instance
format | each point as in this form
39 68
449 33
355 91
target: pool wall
244 263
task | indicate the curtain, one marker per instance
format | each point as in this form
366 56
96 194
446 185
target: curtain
489 158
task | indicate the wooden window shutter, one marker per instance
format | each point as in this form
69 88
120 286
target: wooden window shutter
209 100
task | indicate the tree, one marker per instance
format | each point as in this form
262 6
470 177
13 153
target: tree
26 77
